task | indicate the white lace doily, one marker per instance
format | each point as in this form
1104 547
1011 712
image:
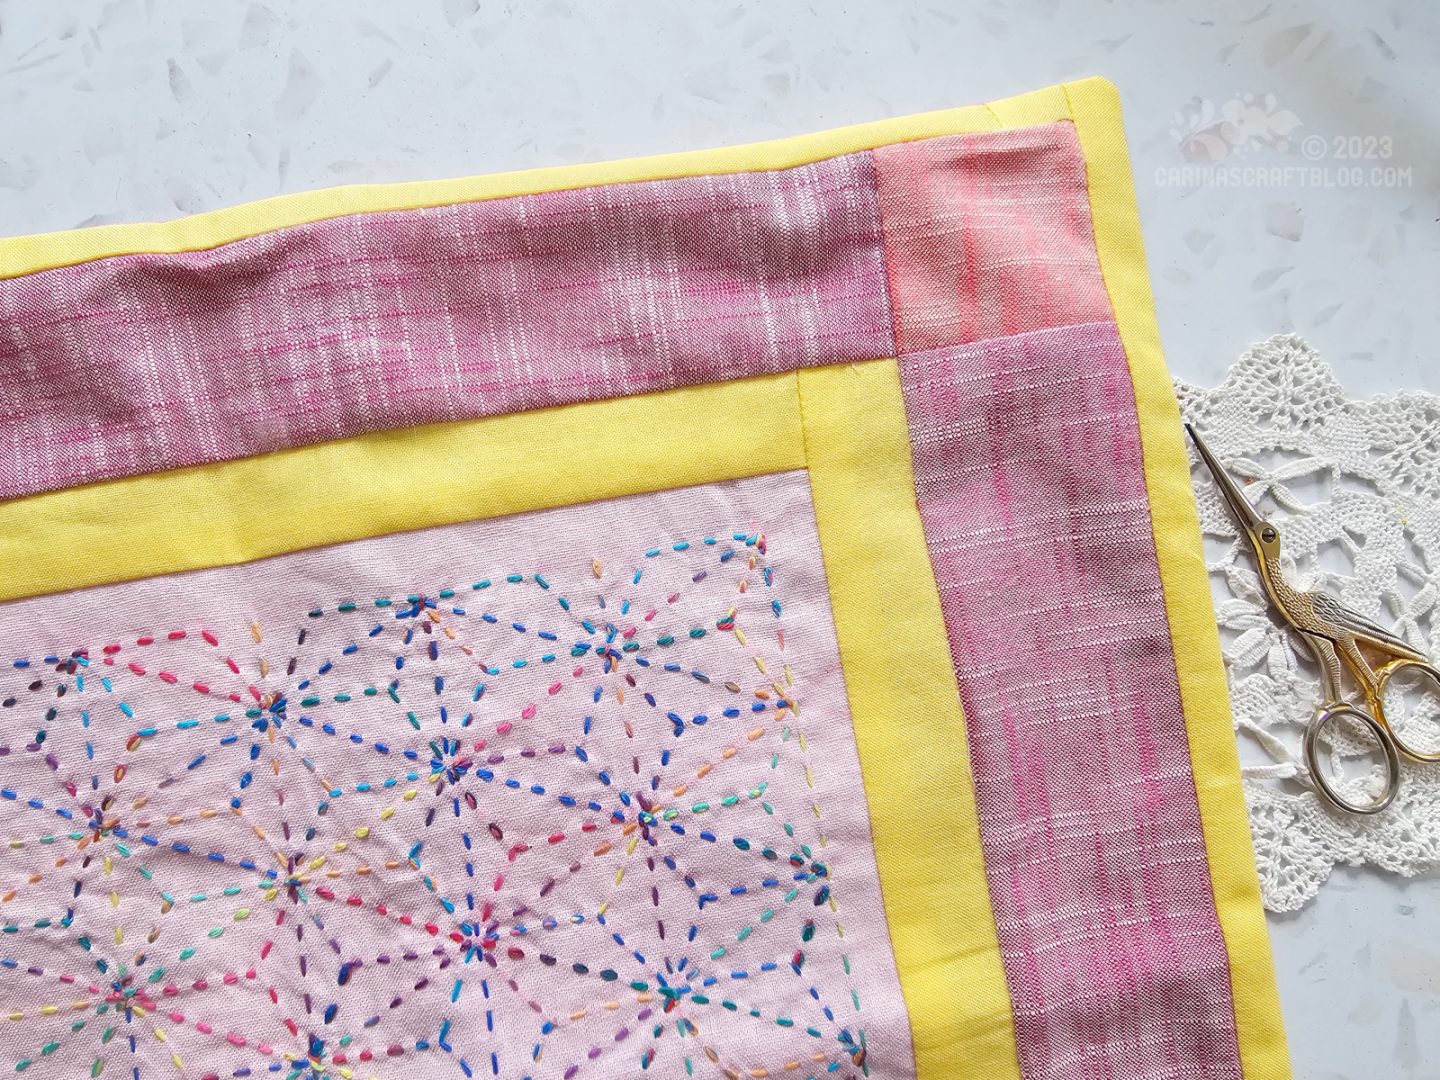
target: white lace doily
1354 486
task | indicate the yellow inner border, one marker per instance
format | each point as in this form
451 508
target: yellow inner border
392 481
128 528
851 436
914 754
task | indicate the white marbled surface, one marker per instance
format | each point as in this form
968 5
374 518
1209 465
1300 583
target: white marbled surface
142 109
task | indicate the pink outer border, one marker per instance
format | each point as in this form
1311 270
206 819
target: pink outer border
138 363
1032 492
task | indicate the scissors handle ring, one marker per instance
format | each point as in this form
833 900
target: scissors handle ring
1382 679
1322 718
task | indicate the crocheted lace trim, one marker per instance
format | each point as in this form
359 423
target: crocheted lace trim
1355 487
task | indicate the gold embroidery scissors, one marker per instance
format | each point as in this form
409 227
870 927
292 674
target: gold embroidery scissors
1339 639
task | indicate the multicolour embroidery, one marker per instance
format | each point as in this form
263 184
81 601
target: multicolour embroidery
974 260
591 834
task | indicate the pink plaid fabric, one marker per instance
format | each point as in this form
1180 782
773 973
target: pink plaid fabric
373 321
988 235
1030 484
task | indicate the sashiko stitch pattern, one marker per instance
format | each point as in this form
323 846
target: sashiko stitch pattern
535 823
576 793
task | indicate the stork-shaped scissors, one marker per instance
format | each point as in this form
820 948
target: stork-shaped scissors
1339 640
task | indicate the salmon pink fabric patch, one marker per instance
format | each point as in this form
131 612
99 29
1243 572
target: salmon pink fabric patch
988 235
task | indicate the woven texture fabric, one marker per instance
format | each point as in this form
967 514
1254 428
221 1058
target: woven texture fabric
563 794
374 321
988 235
1031 489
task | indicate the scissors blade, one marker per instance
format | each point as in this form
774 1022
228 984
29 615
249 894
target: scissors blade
1247 516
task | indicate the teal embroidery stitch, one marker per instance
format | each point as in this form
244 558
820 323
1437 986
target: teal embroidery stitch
444 777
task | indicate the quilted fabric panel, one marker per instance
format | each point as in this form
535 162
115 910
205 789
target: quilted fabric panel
391 804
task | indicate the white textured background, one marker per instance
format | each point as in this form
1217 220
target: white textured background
142 109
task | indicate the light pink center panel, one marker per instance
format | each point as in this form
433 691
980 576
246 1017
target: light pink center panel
567 794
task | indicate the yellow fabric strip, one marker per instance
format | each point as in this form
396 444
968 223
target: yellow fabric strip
1196 641
27 254
237 511
909 730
